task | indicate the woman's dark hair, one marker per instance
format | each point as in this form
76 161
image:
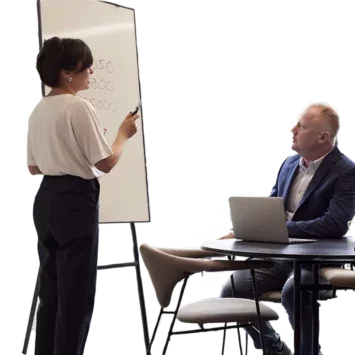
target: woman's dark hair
62 54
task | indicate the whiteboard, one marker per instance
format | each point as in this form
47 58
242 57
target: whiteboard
109 31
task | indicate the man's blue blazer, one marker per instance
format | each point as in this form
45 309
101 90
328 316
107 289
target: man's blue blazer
328 202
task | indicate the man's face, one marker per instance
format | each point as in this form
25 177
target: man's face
307 132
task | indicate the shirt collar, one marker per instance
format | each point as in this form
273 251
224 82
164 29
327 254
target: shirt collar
313 165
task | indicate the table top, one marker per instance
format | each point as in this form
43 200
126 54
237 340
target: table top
342 249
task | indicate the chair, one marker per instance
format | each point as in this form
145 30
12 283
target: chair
336 276
275 297
167 267
339 277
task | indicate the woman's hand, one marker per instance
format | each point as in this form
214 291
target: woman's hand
128 127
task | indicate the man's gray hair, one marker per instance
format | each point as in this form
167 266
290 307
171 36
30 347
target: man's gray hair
332 115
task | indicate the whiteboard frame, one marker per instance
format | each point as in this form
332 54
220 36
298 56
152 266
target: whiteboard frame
42 90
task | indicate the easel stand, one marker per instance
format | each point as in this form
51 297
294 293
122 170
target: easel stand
135 263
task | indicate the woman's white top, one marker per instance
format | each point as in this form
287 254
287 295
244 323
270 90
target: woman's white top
65 137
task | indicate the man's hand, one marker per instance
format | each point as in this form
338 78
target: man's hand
230 235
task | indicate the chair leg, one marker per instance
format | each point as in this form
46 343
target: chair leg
155 330
239 338
246 343
334 292
240 341
252 271
224 337
175 314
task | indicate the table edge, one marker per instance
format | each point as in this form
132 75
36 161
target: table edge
339 258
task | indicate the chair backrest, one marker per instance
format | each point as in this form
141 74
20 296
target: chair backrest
163 272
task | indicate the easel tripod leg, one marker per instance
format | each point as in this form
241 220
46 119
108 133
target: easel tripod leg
140 289
32 315
140 293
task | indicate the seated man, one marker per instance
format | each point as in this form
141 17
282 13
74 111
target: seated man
318 188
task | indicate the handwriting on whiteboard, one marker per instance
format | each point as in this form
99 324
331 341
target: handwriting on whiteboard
102 104
100 85
102 64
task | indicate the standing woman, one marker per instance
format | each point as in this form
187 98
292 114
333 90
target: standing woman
66 144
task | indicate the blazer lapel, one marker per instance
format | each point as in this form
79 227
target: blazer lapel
290 178
332 158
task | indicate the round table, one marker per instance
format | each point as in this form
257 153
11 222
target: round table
338 250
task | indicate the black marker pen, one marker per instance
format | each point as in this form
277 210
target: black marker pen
140 104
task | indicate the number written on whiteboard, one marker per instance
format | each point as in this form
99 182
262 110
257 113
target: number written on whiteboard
102 67
102 64
101 84
106 105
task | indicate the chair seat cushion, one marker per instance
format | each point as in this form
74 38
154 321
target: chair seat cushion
275 296
339 277
272 296
224 310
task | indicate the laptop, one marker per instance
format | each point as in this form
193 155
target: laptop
261 219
